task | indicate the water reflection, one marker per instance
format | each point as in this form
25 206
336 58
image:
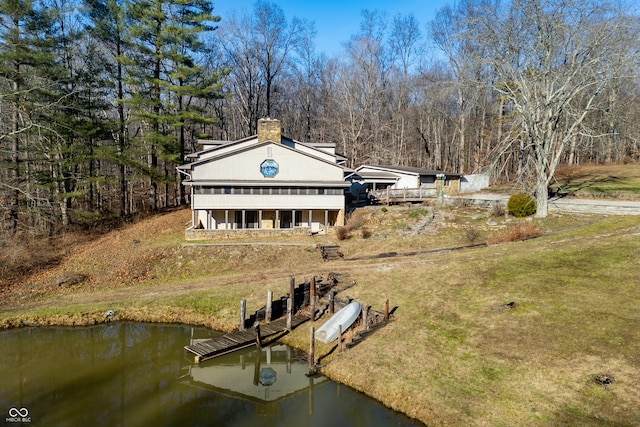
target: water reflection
267 375
128 374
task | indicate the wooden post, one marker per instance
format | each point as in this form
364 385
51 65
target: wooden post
332 304
292 291
307 296
365 316
312 290
312 299
386 310
339 338
243 312
312 348
289 314
258 340
269 309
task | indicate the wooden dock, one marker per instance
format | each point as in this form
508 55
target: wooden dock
237 340
311 299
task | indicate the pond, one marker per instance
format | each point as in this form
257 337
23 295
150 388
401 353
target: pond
133 374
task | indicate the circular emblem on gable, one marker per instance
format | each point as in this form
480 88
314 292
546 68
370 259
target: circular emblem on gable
269 168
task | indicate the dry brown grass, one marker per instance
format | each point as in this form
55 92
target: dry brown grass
342 233
513 233
358 219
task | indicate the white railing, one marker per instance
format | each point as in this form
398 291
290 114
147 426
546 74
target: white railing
404 193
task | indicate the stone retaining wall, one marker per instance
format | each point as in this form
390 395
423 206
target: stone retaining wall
196 234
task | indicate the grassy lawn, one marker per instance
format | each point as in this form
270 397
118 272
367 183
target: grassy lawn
619 181
456 356
453 355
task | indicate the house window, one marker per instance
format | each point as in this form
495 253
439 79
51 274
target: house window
320 191
227 190
269 168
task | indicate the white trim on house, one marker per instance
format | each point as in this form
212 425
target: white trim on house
225 151
258 183
370 180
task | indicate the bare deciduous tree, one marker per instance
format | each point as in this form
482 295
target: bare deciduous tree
553 59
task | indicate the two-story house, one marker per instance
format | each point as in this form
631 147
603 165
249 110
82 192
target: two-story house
265 182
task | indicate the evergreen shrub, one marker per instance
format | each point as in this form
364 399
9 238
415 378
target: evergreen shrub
521 205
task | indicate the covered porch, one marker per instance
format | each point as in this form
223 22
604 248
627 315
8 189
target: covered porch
312 220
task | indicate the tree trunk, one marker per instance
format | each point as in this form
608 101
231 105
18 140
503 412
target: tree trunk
542 195
15 163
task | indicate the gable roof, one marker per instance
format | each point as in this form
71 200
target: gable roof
374 176
196 158
406 170
217 145
214 157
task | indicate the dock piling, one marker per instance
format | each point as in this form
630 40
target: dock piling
292 290
365 317
243 314
258 340
269 308
331 302
312 299
312 349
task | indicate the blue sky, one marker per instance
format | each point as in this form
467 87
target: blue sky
337 20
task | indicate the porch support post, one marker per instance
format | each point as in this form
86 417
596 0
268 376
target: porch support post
310 218
244 218
193 212
326 220
293 218
259 219
277 224
226 219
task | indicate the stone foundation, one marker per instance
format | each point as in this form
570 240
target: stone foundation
196 234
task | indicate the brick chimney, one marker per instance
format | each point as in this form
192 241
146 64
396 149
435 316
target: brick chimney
269 130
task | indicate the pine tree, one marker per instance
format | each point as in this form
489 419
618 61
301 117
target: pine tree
109 29
162 71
